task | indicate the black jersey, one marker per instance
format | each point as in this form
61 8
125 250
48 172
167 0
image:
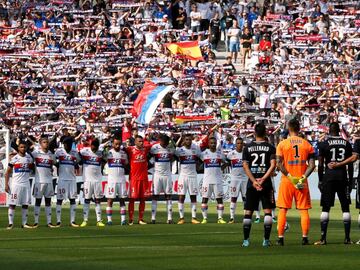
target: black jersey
258 155
335 149
357 147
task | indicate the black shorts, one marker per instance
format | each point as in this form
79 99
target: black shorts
341 188
253 197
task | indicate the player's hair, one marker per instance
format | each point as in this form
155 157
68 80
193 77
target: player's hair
188 135
164 138
239 139
95 142
138 137
22 142
43 137
334 128
68 141
117 138
294 125
260 130
212 138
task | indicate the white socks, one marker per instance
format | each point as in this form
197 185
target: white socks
98 212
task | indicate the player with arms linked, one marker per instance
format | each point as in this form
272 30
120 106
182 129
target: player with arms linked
259 164
335 180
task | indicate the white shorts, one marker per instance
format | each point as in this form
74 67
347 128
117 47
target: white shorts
187 183
19 195
113 190
209 189
162 184
66 190
93 188
43 189
237 187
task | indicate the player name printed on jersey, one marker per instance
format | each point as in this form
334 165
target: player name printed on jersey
236 161
67 163
44 162
258 155
21 169
163 158
187 158
116 163
91 165
335 149
212 165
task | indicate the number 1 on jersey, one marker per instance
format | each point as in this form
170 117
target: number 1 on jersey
296 147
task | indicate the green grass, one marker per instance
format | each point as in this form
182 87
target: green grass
162 246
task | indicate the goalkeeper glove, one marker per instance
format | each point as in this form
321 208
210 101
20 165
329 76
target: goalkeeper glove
300 184
293 179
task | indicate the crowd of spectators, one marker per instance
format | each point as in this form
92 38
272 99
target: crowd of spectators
76 67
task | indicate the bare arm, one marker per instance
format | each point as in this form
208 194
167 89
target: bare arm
310 167
280 165
248 172
7 176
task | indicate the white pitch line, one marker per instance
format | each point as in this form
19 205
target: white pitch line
111 235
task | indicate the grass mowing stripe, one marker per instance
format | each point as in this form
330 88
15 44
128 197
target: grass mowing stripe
113 235
122 247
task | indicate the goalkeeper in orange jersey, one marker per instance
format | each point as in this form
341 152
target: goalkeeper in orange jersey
296 160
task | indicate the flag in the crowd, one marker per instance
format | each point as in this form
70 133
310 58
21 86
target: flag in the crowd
148 100
195 118
188 49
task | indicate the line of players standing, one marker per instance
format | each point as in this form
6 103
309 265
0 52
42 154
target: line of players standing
294 157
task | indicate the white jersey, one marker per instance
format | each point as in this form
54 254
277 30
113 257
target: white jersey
212 166
67 164
116 162
91 165
163 158
43 166
21 169
237 169
187 159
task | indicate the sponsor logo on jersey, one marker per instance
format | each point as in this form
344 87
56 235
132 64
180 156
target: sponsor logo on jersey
237 163
21 167
92 160
115 163
212 162
187 159
162 157
43 162
66 160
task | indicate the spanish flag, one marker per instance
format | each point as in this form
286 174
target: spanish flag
188 49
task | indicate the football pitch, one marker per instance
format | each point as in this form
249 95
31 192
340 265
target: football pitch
163 246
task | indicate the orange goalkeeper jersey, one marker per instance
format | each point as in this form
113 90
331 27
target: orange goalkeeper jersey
295 152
